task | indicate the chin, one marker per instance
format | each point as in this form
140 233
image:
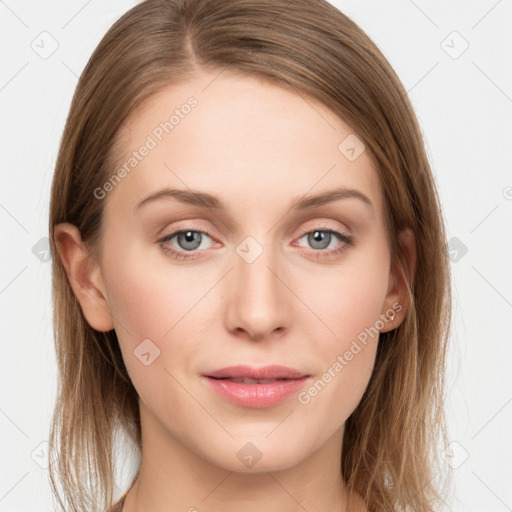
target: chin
258 455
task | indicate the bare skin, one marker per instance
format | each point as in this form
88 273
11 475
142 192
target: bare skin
258 148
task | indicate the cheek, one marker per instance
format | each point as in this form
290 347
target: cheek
152 303
349 302
149 299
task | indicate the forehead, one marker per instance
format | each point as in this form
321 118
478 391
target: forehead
241 138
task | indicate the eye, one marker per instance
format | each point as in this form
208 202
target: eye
327 241
187 241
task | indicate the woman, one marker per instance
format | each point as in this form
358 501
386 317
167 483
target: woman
250 273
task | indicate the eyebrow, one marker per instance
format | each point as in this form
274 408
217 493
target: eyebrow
204 200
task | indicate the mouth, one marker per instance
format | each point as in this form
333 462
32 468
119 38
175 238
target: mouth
257 388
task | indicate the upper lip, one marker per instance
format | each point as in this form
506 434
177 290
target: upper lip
264 372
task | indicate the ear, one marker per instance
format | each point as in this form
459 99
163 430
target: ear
84 276
397 300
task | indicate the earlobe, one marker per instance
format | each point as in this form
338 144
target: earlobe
400 279
84 276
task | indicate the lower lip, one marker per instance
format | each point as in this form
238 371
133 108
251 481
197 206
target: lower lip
256 396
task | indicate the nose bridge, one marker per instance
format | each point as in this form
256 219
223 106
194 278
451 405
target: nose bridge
257 299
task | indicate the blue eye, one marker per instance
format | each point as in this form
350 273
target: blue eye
321 239
190 243
187 240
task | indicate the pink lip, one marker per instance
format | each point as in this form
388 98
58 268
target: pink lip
265 372
256 395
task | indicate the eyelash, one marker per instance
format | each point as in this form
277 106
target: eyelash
175 253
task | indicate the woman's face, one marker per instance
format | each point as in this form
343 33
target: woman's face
260 275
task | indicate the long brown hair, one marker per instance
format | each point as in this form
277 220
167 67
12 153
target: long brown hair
391 442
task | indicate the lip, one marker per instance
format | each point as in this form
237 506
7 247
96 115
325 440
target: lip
265 372
256 396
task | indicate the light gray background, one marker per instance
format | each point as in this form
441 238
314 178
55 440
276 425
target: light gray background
464 103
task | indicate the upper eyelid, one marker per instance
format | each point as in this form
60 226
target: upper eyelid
321 224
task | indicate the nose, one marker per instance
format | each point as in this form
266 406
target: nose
257 305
